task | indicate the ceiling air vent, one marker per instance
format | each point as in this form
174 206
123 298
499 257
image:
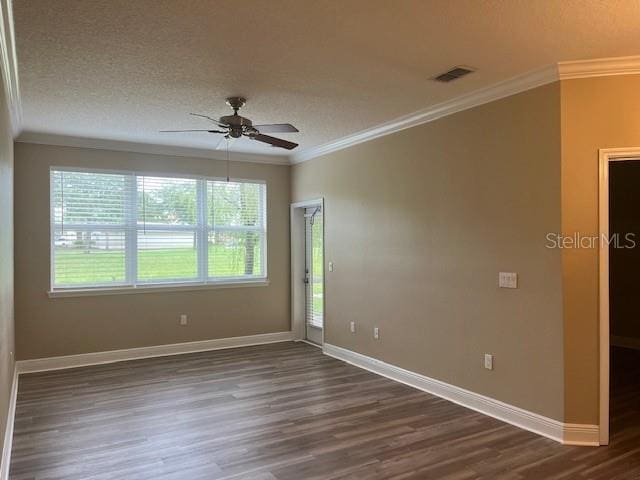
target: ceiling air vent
453 74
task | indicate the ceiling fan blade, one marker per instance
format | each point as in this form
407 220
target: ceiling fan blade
217 122
276 142
276 128
181 131
222 144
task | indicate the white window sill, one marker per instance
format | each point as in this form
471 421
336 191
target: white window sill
155 288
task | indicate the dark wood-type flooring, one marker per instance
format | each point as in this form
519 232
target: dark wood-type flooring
287 412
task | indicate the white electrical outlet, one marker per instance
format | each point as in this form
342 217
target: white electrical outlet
352 327
488 361
508 280
183 319
376 333
331 266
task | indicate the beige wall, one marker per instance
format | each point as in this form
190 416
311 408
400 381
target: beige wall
596 113
420 222
62 326
6 263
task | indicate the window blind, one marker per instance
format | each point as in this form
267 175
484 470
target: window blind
167 230
89 228
236 229
314 267
128 229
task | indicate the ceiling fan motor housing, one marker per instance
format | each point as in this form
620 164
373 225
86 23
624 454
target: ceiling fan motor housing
237 125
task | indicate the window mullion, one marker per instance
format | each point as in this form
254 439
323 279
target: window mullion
211 229
263 233
53 178
203 243
131 230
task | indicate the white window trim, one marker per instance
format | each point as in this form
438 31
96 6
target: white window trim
131 284
156 288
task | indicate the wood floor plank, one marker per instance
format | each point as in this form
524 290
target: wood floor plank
286 412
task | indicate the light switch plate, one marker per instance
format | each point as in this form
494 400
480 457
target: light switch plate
331 266
488 361
508 280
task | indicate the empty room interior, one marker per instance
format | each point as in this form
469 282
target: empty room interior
319 240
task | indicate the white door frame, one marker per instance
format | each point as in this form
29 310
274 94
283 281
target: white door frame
607 155
298 294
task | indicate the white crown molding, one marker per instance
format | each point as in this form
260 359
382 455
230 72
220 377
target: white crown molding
568 434
600 67
494 92
560 71
111 356
9 65
42 138
8 433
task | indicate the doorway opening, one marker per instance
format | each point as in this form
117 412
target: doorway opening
619 292
307 271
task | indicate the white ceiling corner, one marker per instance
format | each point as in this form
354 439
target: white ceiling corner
561 71
502 89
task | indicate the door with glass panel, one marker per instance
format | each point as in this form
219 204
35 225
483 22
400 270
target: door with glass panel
314 274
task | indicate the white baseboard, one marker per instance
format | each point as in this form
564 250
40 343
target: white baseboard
310 343
85 359
8 434
568 434
625 342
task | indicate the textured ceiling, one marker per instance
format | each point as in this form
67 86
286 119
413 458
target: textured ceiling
124 69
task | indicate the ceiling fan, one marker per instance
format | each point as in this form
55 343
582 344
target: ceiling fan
235 126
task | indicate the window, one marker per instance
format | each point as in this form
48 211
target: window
131 230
